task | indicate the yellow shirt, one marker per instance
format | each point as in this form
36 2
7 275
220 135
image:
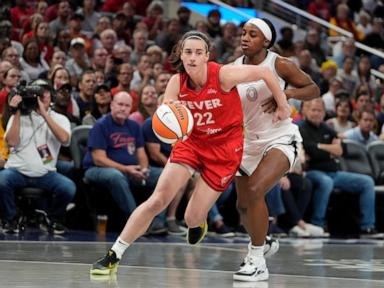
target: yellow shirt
3 146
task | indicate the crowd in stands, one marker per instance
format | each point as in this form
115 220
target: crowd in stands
106 65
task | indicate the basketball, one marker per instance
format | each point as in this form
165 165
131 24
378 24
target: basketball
172 123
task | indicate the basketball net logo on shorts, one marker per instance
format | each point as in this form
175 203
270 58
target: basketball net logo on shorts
225 179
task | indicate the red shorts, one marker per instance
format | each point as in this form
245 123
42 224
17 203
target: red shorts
217 163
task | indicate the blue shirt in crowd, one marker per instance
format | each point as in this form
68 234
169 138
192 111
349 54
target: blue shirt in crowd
150 137
119 141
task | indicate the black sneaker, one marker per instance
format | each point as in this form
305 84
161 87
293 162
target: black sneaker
106 265
11 226
195 235
55 228
224 231
371 233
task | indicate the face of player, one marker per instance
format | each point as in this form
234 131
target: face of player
252 40
194 55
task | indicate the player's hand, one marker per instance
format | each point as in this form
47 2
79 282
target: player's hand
269 105
282 113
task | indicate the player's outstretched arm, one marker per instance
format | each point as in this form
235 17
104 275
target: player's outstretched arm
232 75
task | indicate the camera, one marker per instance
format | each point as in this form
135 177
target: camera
29 94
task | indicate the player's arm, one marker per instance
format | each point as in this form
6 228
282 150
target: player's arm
172 90
232 75
304 87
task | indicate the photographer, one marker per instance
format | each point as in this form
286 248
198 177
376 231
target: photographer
34 134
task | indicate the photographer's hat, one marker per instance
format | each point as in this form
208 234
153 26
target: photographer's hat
42 83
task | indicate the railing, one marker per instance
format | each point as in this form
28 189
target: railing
301 18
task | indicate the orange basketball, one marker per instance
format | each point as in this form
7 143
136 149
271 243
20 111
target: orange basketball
172 122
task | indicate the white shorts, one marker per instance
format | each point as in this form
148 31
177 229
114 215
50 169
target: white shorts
288 142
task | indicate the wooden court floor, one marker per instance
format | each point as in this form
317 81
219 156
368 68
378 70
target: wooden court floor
311 263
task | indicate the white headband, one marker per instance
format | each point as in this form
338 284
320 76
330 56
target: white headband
195 37
263 26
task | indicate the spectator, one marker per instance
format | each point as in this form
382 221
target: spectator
140 38
362 101
90 16
116 157
4 67
33 163
124 77
285 44
31 61
328 71
341 122
226 45
108 39
319 8
363 73
63 41
363 133
348 48
11 79
143 74
147 104
184 15
119 25
74 28
329 98
79 61
213 24
154 19
346 75
313 44
100 105
87 84
343 20
161 82
322 147
168 38
10 54
62 20
308 65
64 102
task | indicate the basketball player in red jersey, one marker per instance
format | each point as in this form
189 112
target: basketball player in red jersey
214 146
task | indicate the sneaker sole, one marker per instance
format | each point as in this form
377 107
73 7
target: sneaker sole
201 238
274 246
103 271
244 278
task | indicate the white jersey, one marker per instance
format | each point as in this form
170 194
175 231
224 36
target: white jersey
261 134
259 128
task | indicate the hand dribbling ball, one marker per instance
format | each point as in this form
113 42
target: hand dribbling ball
172 122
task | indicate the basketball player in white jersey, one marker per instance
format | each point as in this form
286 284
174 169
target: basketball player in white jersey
270 148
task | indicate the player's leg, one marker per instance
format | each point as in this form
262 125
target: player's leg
139 221
202 199
254 213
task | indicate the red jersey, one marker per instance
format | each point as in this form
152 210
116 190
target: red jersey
217 114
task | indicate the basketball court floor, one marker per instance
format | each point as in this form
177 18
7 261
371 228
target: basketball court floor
40 260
